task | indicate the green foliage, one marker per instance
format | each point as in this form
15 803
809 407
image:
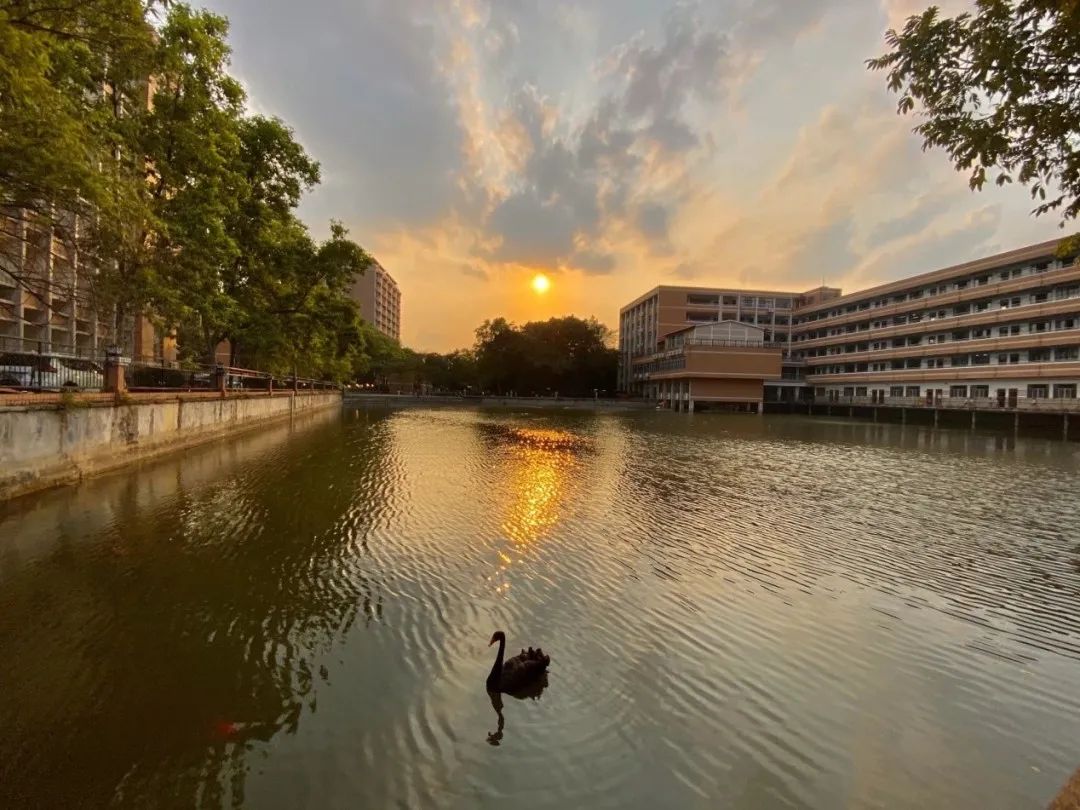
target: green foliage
999 90
569 356
565 356
186 203
53 113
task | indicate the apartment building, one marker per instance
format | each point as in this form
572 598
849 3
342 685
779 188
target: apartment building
992 332
997 332
47 302
646 322
380 300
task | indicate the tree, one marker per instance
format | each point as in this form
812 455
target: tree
570 356
303 318
176 121
62 65
999 90
132 142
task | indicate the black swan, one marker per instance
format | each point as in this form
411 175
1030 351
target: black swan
516 674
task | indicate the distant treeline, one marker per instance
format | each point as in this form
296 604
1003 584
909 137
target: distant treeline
566 356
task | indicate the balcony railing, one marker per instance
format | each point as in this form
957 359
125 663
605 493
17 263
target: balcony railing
1023 403
713 344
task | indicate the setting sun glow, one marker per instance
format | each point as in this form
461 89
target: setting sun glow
541 284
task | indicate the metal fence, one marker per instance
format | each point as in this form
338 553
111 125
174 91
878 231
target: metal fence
32 365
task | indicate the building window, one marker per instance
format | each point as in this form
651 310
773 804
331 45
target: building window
701 317
980 392
1038 391
1039 356
1065 391
896 391
1067 353
980 359
913 391
849 391
958 391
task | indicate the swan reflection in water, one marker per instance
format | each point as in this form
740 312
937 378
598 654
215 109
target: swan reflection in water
531 692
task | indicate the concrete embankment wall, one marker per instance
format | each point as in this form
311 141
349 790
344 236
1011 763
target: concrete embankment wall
45 444
566 403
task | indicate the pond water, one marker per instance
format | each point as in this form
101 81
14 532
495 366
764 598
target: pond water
742 612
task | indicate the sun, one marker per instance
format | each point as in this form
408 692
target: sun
541 284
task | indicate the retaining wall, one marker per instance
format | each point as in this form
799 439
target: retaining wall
47 443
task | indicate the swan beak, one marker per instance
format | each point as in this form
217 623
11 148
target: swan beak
491 642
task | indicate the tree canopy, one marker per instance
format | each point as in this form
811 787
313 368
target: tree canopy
126 136
565 356
999 90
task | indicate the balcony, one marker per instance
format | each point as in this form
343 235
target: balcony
714 344
994 316
953 297
1048 370
1021 403
993 343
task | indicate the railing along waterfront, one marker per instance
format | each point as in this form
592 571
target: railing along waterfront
35 365
158 376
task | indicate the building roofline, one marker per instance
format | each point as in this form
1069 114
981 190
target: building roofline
701 289
986 263
692 326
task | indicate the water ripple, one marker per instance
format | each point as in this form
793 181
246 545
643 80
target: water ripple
741 612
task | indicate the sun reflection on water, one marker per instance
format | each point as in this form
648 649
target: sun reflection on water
535 487
541 466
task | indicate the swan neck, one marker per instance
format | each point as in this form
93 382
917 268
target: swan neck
496 669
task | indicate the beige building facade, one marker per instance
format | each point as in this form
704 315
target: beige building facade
646 322
722 365
1003 331
47 302
380 300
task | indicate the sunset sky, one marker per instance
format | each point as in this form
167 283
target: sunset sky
613 145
